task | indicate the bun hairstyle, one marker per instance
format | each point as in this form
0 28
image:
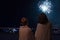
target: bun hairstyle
25 21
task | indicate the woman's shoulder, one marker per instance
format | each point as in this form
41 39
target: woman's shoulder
40 25
25 28
28 29
20 27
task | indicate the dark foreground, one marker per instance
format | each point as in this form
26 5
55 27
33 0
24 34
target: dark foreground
14 36
8 36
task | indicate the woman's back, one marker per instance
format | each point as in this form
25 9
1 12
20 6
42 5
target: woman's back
25 33
42 32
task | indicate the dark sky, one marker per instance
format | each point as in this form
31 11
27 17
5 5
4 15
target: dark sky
12 11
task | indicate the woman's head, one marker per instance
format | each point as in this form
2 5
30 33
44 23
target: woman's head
24 21
43 19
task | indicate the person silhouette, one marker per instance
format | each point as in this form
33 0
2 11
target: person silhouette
43 28
25 33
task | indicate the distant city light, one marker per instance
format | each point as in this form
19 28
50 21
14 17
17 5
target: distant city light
45 7
14 30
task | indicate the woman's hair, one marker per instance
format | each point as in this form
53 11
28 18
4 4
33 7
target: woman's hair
42 19
24 21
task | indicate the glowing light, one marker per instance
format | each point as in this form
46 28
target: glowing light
14 30
45 7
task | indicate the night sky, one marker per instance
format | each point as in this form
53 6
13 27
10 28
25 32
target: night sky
13 11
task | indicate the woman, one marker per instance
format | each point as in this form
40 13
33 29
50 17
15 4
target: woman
25 33
43 28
